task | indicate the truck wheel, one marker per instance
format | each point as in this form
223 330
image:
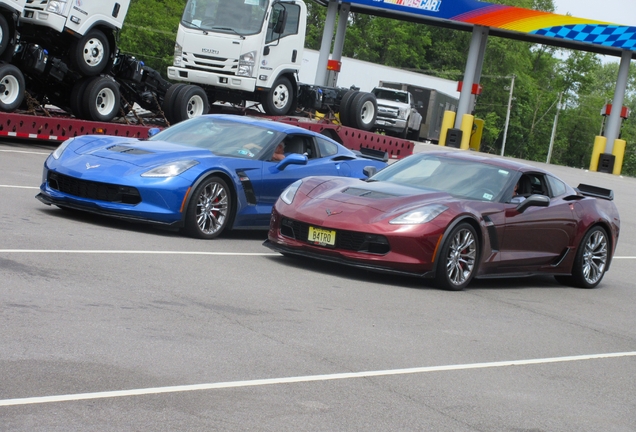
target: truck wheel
279 100
190 101
345 106
101 99
90 53
11 88
168 101
4 34
364 110
76 101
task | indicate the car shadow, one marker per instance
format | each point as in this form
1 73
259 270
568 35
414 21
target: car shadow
352 273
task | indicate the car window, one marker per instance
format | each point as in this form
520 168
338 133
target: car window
326 148
557 187
222 137
457 177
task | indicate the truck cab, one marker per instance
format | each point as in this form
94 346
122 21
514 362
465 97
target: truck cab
82 31
242 50
397 113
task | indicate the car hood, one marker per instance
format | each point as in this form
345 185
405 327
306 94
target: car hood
383 197
137 152
390 103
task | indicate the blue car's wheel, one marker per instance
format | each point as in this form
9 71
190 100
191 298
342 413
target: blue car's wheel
209 209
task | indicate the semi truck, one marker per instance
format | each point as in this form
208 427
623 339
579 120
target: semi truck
431 104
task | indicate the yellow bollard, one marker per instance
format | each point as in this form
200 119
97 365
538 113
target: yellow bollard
467 130
475 140
599 147
619 154
448 121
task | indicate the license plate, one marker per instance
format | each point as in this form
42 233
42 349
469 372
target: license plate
322 237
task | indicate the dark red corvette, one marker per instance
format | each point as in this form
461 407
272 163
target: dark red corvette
451 216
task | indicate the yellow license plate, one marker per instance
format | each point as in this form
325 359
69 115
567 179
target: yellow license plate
322 237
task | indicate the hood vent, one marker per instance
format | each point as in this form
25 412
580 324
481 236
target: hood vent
367 193
128 150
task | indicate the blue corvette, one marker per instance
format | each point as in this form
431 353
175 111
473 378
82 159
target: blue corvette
203 175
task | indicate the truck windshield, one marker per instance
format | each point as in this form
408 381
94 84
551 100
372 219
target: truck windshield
242 17
390 95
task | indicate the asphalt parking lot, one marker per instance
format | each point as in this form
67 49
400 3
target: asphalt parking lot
111 326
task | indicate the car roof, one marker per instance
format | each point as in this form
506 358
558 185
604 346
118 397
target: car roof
262 122
487 159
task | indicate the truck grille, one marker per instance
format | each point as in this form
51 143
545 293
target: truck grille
348 240
209 63
36 4
387 112
93 190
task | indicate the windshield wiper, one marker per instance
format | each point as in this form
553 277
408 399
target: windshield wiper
195 25
227 28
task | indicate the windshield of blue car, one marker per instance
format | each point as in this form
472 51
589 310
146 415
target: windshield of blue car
457 177
222 137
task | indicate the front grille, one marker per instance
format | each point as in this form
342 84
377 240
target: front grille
93 190
348 240
210 64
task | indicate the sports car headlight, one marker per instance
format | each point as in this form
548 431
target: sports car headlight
246 64
288 194
60 149
56 7
170 169
420 215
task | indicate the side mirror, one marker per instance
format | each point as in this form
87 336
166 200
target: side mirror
153 131
292 159
369 171
533 201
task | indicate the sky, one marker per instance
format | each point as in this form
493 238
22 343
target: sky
614 11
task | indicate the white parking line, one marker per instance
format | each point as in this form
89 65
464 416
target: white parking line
302 379
19 187
26 152
136 252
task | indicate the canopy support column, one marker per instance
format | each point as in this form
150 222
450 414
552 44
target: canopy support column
325 45
613 128
472 65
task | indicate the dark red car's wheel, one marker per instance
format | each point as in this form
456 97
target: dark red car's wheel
590 262
457 262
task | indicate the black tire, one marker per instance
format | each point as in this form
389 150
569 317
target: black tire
458 258
76 101
345 106
101 99
405 132
209 209
4 34
168 101
91 53
11 88
363 112
190 101
279 100
591 260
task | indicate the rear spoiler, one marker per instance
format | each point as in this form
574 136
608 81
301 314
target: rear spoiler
595 191
374 154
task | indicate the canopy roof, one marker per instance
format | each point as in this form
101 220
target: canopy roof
507 21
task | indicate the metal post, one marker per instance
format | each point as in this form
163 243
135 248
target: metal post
463 107
325 45
338 43
512 88
613 126
480 66
554 128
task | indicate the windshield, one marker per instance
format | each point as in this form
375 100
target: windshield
457 177
242 17
221 136
390 95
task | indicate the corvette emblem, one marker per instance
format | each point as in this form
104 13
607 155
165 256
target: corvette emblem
330 213
89 166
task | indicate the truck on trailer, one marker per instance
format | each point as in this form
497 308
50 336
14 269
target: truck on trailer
252 50
431 104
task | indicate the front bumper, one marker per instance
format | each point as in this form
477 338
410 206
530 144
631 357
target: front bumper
227 82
